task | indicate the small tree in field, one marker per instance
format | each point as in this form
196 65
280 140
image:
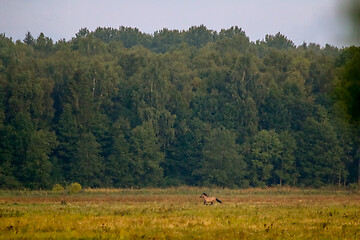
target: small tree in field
57 188
74 188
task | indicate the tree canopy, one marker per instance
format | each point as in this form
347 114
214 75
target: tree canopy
121 108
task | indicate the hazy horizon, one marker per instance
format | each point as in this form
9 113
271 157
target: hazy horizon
322 21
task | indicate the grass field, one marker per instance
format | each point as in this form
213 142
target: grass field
179 213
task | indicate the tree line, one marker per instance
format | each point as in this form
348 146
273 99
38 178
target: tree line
122 108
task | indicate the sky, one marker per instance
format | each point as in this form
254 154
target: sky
311 21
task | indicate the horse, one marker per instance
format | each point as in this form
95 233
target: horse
208 199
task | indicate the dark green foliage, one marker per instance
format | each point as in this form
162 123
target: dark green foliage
145 156
279 41
221 165
349 90
263 157
87 165
121 108
29 39
319 155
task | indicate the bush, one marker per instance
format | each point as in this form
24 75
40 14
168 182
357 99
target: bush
57 188
74 188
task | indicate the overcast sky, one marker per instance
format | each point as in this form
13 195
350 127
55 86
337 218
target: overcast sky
318 21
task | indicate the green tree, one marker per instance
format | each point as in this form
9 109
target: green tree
273 113
264 155
43 44
29 39
176 107
198 36
8 163
279 41
131 37
165 40
88 165
37 167
118 163
285 171
82 33
182 163
146 156
21 128
67 135
348 91
222 165
319 155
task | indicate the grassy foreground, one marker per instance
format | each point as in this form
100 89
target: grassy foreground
179 213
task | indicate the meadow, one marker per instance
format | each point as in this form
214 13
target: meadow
179 213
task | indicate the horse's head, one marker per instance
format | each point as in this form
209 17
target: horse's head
202 195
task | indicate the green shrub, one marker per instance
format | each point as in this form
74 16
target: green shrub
74 188
57 188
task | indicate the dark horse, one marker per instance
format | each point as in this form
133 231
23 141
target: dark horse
209 200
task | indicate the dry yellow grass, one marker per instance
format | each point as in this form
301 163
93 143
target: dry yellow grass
155 214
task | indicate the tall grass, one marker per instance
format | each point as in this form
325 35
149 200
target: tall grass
178 213
186 190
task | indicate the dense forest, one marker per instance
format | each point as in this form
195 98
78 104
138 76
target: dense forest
121 108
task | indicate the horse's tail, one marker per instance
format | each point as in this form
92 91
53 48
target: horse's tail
218 200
